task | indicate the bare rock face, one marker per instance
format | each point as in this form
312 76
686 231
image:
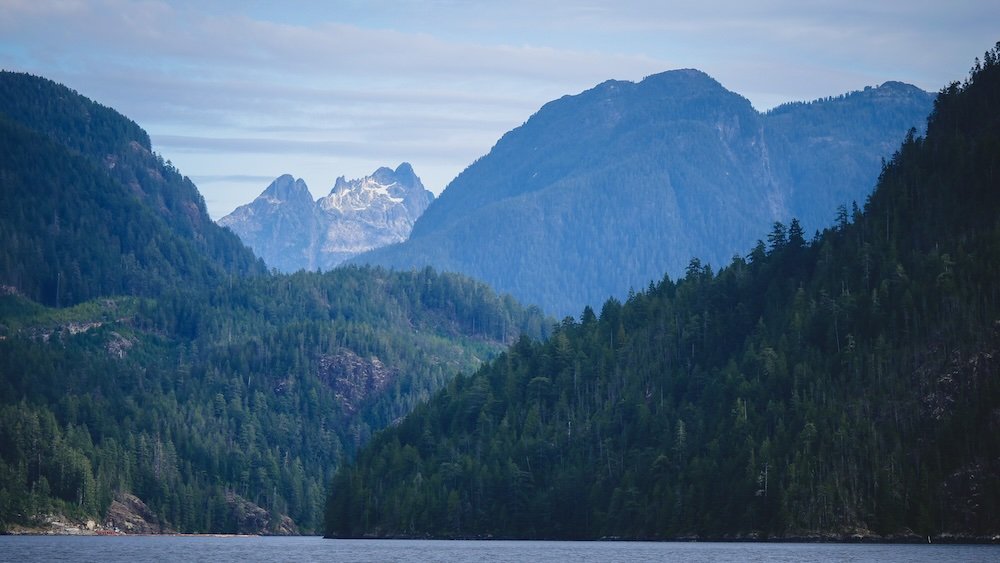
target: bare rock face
118 345
128 514
354 378
290 231
252 519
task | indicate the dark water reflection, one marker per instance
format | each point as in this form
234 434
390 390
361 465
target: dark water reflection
246 549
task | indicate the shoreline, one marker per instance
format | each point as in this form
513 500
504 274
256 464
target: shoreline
944 539
62 526
111 533
842 540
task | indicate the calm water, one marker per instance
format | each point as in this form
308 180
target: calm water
245 549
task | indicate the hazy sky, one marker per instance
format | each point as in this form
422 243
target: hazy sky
235 93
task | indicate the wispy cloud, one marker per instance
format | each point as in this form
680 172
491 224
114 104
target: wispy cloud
232 178
235 91
263 145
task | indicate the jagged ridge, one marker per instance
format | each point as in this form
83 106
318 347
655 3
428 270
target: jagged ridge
291 232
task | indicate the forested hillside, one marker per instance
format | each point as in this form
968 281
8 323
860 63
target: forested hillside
87 209
827 388
611 188
229 410
153 376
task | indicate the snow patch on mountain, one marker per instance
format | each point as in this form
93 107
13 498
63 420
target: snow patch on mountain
290 231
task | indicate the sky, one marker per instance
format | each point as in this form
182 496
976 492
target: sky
237 92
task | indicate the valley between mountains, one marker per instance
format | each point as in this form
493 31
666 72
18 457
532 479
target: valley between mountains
649 312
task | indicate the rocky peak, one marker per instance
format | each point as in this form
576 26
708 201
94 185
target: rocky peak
290 231
385 188
286 188
685 76
892 90
405 175
384 175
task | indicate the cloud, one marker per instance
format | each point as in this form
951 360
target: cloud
234 45
236 90
283 146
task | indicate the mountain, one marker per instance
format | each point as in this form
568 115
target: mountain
225 411
89 210
291 232
154 377
608 189
281 226
840 388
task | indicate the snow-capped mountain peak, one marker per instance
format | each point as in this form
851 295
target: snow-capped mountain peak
361 194
290 231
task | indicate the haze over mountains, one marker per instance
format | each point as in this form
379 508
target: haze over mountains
608 189
155 376
291 232
119 219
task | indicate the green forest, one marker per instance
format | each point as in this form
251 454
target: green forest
88 210
839 387
198 401
145 352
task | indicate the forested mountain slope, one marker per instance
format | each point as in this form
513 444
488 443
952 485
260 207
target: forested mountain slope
87 209
843 386
154 377
609 189
226 411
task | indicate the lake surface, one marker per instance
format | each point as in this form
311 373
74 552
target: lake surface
106 549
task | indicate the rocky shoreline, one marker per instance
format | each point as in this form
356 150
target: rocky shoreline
129 515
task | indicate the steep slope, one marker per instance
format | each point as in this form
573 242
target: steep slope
834 389
226 411
89 210
832 149
610 188
291 232
154 376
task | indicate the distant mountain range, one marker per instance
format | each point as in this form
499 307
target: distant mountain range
608 189
291 232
